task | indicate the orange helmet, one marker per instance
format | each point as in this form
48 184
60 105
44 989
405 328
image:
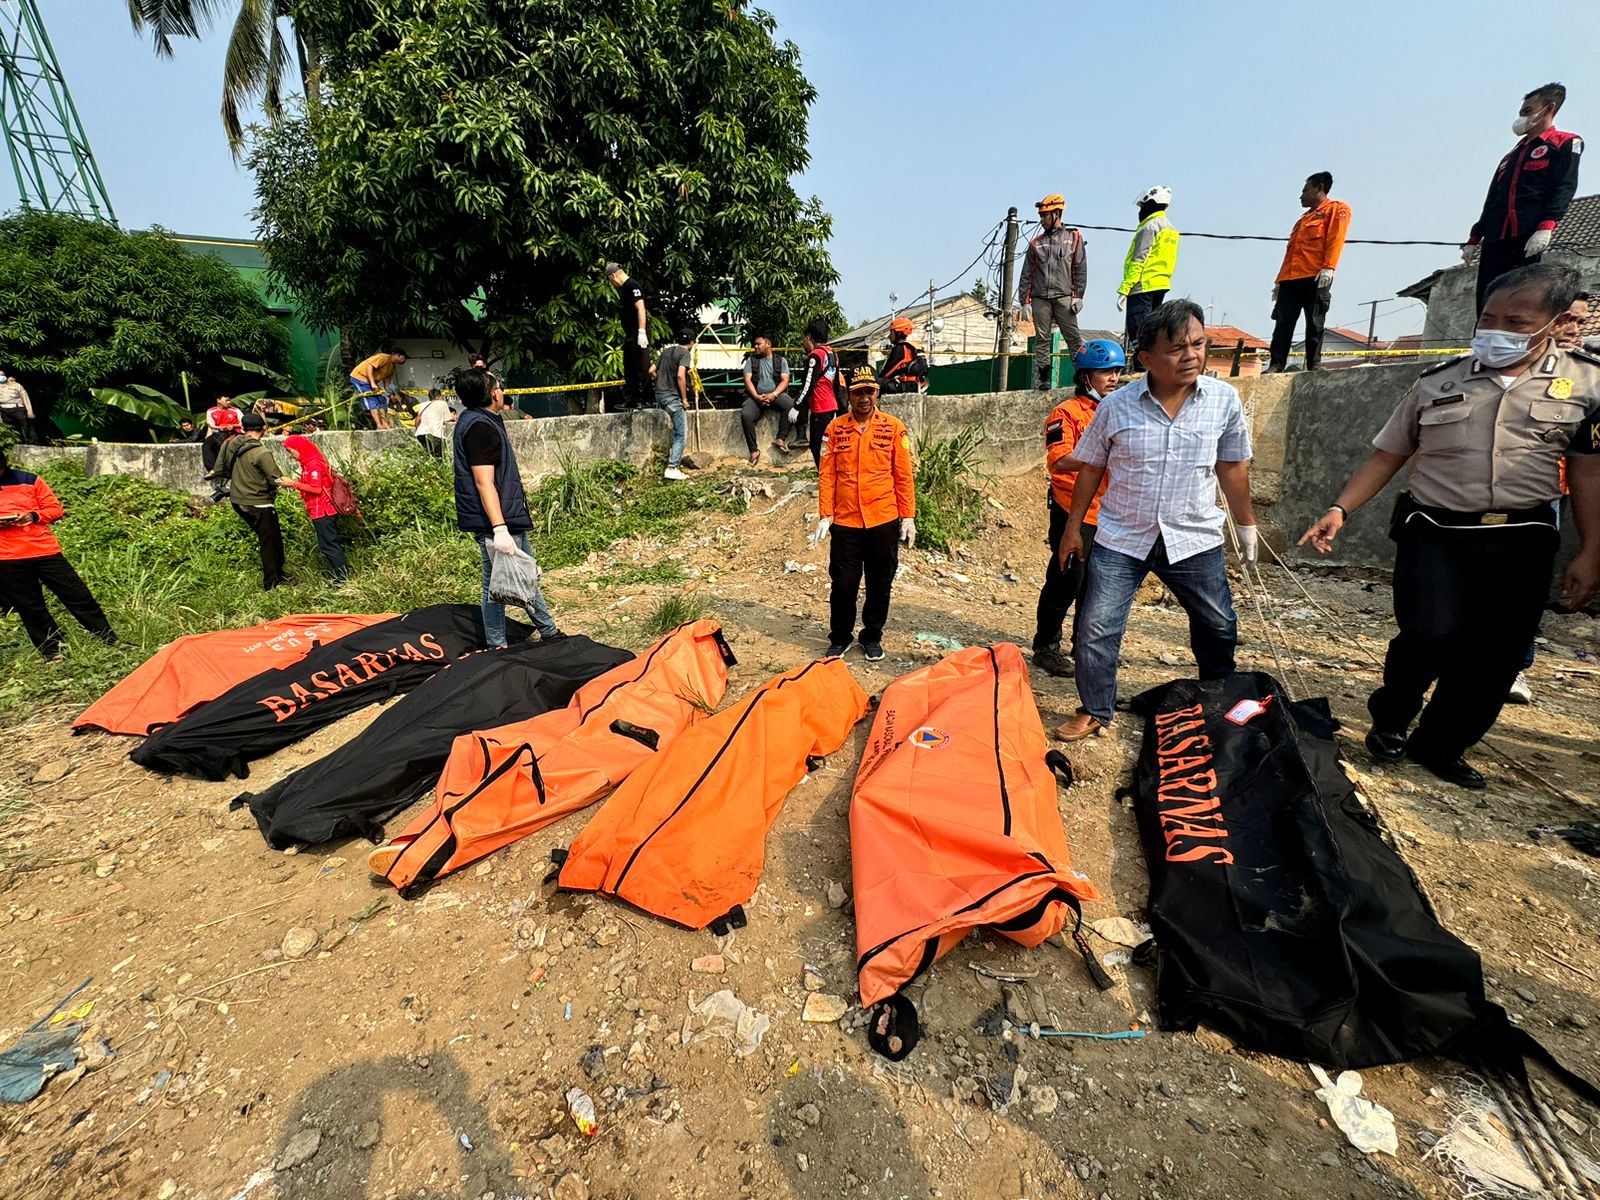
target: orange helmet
1052 203
901 325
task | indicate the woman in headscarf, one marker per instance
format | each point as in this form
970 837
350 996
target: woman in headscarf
313 485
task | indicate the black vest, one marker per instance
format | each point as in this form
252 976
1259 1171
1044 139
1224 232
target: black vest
507 480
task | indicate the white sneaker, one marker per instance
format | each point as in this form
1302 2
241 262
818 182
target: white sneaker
1520 692
673 473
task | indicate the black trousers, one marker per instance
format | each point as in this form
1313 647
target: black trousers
433 445
19 420
1498 257
813 427
1062 588
22 584
263 523
753 410
1140 306
852 553
332 549
1297 296
637 390
1468 603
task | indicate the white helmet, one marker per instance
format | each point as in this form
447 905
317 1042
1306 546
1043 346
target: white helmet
1160 194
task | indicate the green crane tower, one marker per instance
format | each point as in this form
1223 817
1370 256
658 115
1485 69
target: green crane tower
50 153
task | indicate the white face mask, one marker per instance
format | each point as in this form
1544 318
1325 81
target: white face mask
1522 125
1496 348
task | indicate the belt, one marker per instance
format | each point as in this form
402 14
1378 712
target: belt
1540 514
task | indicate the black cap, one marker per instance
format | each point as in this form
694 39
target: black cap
253 420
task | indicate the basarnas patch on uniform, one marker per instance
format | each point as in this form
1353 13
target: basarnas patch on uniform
1559 389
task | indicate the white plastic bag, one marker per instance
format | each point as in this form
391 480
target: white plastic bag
514 579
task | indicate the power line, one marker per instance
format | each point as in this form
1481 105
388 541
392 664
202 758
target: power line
1262 237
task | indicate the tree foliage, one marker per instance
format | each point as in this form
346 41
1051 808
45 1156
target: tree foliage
469 158
87 305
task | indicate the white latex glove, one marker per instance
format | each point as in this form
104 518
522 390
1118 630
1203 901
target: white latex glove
908 532
1538 243
821 531
1249 545
503 542
1466 253
1274 293
1075 304
1325 278
644 340
1122 302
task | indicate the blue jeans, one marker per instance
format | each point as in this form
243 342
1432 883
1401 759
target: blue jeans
1201 585
672 403
494 615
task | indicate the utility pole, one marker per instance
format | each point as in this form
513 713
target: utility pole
931 286
1372 325
1003 354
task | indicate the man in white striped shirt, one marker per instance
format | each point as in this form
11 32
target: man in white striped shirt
1167 442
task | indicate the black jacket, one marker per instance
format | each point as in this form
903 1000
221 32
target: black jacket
1531 187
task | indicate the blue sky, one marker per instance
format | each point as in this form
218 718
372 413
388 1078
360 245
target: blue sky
933 117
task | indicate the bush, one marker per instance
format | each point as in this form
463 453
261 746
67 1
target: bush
949 488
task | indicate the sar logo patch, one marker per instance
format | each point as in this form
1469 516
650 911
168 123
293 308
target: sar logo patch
1559 389
1539 152
905 441
926 737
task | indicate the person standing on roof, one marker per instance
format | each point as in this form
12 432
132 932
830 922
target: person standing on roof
490 502
905 368
253 476
1167 442
374 383
1530 191
1097 368
868 501
31 560
766 389
1152 258
632 312
1475 531
817 400
1305 280
1055 275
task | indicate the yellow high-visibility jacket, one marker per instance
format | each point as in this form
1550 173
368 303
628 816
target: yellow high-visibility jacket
1152 256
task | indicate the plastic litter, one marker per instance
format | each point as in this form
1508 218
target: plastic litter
1044 1031
1368 1125
1121 931
724 1015
1482 1154
940 642
44 1049
514 579
580 1107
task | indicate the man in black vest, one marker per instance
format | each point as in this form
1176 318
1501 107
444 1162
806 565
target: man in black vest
490 504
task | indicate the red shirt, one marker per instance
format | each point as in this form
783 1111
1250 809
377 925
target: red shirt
220 417
22 493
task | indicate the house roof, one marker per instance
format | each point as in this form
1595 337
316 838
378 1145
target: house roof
1358 338
877 329
1408 341
1225 337
1580 228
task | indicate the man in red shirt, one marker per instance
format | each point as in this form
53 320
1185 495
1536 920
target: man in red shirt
31 560
817 400
1530 191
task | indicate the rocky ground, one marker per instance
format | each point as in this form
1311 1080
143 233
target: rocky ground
281 1025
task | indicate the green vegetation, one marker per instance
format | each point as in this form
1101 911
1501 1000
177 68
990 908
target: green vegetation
949 487
634 575
164 566
87 305
677 609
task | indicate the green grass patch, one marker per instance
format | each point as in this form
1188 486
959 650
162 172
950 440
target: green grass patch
634 575
591 506
949 484
677 609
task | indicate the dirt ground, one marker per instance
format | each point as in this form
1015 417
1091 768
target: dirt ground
423 1049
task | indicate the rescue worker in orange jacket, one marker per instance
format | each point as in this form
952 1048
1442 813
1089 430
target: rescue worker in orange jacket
31 560
905 368
1097 367
868 500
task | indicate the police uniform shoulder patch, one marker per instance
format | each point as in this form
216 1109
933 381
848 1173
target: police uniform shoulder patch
1585 355
1449 362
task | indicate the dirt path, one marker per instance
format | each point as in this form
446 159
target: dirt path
423 1048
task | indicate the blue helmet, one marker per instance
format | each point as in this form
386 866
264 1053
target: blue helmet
1099 355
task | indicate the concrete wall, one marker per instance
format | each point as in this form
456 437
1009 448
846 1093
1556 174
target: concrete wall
1452 303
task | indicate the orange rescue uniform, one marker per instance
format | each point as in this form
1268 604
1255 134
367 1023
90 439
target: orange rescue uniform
1062 429
21 493
865 477
1316 241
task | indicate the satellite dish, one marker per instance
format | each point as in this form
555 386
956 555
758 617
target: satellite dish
937 325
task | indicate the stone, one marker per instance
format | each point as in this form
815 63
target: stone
1525 995
809 1114
53 772
1043 1100
367 1136
571 1187
813 982
836 895
301 1148
698 460
609 935
1169 1089
298 942
709 964
1575 1021
168 1189
823 1009
804 1163
593 1062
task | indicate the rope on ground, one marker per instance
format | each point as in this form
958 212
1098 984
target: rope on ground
1258 590
1339 627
